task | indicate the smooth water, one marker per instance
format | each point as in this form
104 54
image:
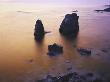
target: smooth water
22 59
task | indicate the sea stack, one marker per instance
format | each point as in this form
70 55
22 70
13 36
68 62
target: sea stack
70 25
39 30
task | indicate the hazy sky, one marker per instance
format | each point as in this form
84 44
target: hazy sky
72 2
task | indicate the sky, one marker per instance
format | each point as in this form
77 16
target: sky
71 2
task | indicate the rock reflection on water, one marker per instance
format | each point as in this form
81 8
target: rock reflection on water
22 59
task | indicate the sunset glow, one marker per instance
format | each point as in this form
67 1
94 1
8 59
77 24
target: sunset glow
54 41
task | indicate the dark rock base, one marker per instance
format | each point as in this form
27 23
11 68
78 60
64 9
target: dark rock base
73 77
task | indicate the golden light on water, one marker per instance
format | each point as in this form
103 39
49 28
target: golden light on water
18 47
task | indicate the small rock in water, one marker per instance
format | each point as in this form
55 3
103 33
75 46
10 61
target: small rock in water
104 50
83 51
55 49
75 11
31 60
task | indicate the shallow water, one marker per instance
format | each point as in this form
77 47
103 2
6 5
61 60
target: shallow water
18 47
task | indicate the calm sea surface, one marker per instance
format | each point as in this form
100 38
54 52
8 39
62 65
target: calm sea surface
22 59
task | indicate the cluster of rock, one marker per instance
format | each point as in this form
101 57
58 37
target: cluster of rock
68 27
73 77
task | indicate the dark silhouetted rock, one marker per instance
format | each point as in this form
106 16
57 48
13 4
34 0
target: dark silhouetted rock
75 11
70 25
71 77
39 30
105 10
99 10
83 51
55 49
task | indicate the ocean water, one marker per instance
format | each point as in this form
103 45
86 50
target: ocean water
22 59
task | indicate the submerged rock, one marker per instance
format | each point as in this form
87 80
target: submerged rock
39 30
83 51
31 60
55 49
104 50
70 25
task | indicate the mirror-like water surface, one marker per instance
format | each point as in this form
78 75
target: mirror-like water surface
18 47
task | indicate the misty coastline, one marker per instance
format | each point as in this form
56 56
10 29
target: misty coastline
23 59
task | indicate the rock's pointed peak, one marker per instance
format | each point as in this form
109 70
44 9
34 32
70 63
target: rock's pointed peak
39 30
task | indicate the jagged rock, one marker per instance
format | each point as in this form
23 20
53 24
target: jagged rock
39 30
70 25
71 77
83 51
55 49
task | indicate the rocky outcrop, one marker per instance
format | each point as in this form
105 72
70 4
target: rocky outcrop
73 77
39 30
104 10
55 49
107 9
70 25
